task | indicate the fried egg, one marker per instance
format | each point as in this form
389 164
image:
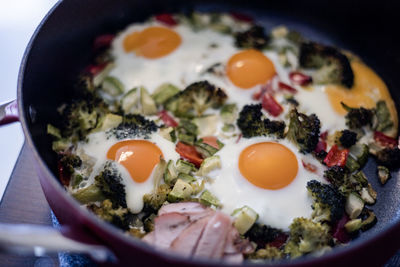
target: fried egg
135 160
267 175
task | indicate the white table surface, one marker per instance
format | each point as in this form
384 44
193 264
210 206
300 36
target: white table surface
18 20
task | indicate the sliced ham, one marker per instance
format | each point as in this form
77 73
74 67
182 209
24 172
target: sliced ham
212 242
167 227
182 207
149 238
233 258
187 241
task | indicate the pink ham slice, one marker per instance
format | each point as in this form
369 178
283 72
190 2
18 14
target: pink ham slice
168 227
187 241
149 238
212 243
183 208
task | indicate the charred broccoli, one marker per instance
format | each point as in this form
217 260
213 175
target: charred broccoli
262 234
344 182
389 157
117 216
358 117
252 123
254 37
336 175
109 181
328 203
307 236
304 130
153 201
68 162
347 138
133 126
332 66
267 253
196 99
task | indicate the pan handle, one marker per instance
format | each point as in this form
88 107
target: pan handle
9 112
40 240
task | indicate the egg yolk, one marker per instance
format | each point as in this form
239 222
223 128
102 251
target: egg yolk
368 88
268 165
152 42
139 157
249 68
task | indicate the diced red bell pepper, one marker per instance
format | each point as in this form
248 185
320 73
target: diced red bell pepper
167 119
286 87
189 153
103 41
167 19
385 140
309 167
336 157
321 146
241 17
279 240
63 176
266 88
339 232
271 105
211 140
299 78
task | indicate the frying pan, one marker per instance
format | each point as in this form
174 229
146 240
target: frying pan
61 48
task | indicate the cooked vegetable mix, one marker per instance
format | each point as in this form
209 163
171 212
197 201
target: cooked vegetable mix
225 132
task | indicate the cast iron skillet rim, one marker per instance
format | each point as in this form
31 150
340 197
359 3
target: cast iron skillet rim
357 244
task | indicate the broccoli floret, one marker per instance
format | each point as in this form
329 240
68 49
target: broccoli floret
328 203
110 183
358 117
254 37
133 125
304 130
336 175
267 253
332 66
118 216
262 234
154 200
307 236
252 123
196 99
347 138
389 157
68 162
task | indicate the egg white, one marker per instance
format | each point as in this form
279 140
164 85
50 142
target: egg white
97 147
276 208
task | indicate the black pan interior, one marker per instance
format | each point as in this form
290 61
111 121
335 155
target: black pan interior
62 49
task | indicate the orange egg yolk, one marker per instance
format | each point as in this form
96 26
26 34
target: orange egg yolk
152 42
268 165
249 68
367 90
139 157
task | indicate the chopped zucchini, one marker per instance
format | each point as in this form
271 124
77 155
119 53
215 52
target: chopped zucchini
159 172
186 177
228 128
206 125
352 164
186 138
112 86
384 121
164 92
366 196
205 149
188 127
209 199
360 152
99 77
229 113
181 191
170 174
245 217
354 205
353 225
76 179
383 174
60 145
165 132
184 166
88 194
148 104
130 102
209 164
107 122
54 131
